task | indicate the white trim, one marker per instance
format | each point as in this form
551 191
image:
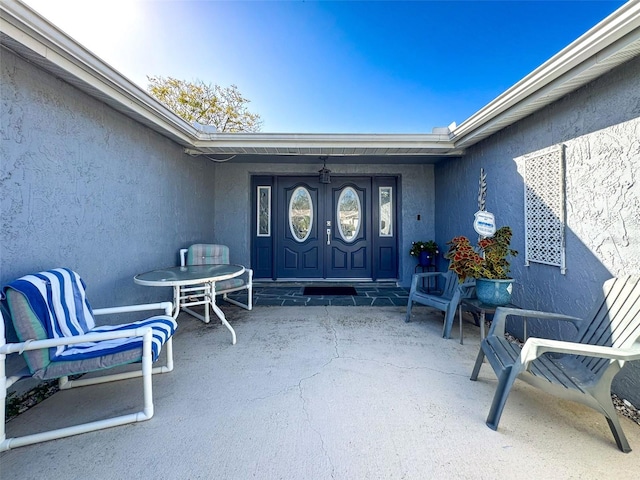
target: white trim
55 47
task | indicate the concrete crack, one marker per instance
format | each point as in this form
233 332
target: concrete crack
318 433
303 399
404 367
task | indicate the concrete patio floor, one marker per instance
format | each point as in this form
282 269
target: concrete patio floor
322 393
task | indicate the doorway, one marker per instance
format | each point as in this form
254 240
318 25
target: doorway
308 230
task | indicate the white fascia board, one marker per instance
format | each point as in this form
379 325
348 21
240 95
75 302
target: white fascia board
311 140
43 38
586 51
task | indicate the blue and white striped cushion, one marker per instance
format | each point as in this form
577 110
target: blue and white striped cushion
58 301
58 298
163 328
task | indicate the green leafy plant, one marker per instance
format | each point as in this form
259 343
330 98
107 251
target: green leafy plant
468 263
430 247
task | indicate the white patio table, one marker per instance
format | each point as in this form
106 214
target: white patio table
203 278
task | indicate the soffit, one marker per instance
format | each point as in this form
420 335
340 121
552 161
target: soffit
330 161
344 145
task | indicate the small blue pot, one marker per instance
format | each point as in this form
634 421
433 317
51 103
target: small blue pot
424 259
494 292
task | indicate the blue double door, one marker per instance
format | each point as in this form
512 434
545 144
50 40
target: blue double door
338 230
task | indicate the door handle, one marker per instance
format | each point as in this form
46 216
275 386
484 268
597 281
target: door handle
328 236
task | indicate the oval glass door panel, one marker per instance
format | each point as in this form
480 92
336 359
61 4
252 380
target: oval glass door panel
349 214
300 214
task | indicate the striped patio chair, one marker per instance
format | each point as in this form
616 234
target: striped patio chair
58 338
212 254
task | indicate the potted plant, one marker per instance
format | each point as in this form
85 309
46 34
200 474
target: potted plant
491 270
425 252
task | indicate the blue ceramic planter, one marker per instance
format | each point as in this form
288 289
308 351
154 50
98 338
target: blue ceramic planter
494 292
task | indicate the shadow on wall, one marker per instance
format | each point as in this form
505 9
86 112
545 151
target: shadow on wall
601 237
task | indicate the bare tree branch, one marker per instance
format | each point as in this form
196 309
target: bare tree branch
208 104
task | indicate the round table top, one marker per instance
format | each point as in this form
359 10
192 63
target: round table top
174 276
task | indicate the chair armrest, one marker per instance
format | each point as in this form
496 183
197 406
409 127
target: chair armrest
418 276
467 288
56 342
183 256
166 306
535 347
427 274
500 318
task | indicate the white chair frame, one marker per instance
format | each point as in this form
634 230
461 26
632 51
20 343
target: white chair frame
191 296
146 372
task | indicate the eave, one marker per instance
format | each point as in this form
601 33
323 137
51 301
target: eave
342 145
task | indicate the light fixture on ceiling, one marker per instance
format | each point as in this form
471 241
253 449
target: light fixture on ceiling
325 173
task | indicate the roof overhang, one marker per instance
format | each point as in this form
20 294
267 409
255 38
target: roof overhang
610 43
340 145
38 41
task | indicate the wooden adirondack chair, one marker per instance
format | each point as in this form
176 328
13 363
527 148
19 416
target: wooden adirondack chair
447 300
581 370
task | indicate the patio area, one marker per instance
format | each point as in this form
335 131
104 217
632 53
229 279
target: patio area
372 294
322 392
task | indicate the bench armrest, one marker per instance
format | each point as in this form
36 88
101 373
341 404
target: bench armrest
500 318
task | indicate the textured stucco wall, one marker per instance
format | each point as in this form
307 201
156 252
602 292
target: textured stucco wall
83 186
600 128
232 206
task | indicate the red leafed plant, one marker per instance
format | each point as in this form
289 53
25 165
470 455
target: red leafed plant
467 263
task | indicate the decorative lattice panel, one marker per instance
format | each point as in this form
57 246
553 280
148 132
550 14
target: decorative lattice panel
545 207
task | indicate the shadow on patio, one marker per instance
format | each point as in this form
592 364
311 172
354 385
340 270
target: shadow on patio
323 392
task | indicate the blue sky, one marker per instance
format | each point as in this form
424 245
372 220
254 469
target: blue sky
334 67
